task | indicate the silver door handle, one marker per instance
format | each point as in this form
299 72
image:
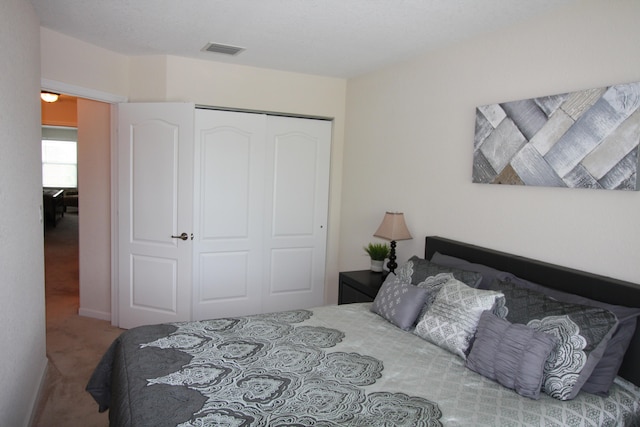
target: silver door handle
183 236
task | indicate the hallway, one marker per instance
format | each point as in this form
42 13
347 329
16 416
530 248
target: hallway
75 344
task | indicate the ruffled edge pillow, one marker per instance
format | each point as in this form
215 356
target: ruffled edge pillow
451 321
601 379
399 303
514 355
583 333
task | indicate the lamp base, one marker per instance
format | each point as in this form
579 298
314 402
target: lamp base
391 265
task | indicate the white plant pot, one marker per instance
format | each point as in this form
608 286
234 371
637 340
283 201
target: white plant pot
376 266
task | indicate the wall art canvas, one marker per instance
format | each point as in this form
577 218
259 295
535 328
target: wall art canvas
584 139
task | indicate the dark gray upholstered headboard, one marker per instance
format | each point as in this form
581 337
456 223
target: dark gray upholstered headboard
578 282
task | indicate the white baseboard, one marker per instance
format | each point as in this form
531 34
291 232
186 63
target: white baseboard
35 404
95 314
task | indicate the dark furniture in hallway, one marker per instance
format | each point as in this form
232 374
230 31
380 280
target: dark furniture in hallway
53 205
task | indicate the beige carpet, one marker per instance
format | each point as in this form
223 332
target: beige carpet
75 344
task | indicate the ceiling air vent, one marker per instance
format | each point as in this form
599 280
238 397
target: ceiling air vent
225 49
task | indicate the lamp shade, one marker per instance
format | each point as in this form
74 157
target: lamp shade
393 227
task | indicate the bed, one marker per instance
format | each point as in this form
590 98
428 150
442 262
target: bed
365 365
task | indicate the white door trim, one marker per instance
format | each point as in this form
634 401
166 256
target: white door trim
113 99
81 92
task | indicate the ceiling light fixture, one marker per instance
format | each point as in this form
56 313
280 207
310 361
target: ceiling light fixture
49 96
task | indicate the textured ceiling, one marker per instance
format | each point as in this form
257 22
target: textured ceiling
338 38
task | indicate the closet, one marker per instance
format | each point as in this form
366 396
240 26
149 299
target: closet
221 213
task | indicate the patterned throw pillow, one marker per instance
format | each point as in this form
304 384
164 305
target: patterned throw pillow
433 284
452 319
582 331
399 303
514 355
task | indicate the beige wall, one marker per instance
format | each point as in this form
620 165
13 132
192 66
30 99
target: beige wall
409 144
72 61
22 309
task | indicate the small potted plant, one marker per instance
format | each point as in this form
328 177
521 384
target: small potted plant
378 252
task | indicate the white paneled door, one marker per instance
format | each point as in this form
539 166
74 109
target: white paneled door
260 213
228 213
295 213
155 189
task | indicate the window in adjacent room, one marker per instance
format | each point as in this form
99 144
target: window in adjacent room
59 157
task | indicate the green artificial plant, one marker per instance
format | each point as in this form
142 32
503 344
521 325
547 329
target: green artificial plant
377 251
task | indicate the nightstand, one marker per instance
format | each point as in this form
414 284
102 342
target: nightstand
359 286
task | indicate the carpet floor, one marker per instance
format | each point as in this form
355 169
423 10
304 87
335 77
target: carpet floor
75 344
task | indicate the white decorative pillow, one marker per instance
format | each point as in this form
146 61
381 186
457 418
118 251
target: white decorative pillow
432 284
452 319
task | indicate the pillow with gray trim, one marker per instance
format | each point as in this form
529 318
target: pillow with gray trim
452 319
583 333
607 368
514 355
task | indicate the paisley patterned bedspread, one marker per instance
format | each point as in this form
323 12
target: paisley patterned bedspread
329 366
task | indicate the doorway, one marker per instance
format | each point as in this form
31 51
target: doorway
93 212
59 170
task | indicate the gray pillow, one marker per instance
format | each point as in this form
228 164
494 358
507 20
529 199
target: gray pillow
399 303
452 319
488 273
514 355
583 333
607 368
421 268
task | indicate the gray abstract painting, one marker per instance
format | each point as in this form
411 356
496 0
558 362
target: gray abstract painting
584 139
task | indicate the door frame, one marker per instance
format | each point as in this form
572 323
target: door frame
113 100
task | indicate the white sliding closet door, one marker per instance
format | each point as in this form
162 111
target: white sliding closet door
260 213
228 199
295 212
